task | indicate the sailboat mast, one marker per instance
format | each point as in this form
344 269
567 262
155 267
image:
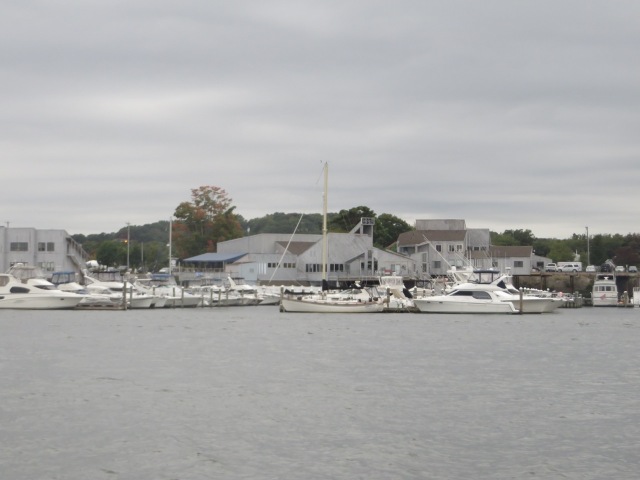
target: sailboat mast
324 222
170 240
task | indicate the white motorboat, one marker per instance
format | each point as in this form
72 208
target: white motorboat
165 285
397 297
96 298
605 291
16 294
111 282
466 298
499 289
248 294
524 302
217 296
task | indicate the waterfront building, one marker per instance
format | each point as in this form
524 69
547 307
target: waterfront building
50 250
436 246
285 259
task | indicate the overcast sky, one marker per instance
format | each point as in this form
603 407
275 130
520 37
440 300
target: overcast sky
510 115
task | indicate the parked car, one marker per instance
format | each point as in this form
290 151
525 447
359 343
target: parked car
570 267
633 269
551 267
591 268
620 268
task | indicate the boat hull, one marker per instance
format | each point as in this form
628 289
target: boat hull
435 305
605 301
537 305
303 305
37 302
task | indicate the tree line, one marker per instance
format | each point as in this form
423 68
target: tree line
198 225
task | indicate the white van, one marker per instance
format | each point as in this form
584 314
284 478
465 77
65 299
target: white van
569 266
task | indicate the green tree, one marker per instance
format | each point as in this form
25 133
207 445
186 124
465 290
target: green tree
560 251
111 253
345 220
285 223
513 238
387 230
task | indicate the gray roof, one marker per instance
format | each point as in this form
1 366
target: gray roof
419 237
297 248
215 257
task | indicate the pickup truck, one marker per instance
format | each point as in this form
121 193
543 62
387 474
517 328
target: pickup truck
551 267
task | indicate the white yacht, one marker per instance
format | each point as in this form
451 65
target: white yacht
466 298
605 291
495 294
24 295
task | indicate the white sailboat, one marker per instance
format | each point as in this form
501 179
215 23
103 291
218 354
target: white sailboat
334 302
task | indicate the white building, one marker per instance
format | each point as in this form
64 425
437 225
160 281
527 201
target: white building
518 260
437 245
51 250
283 259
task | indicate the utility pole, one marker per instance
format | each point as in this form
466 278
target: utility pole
588 259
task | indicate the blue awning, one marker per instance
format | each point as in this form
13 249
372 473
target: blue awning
215 258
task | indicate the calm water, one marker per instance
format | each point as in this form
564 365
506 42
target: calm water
252 393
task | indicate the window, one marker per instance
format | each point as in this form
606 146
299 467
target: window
438 248
452 248
19 247
46 247
437 264
518 264
459 247
480 295
47 266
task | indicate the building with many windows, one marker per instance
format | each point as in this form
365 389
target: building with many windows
51 250
436 246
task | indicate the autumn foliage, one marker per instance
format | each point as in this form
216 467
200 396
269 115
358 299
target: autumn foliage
204 221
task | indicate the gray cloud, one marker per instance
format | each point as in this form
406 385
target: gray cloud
509 115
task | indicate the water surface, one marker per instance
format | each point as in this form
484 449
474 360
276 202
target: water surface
252 393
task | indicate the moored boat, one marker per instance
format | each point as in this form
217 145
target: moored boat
322 304
328 302
467 298
15 294
605 291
